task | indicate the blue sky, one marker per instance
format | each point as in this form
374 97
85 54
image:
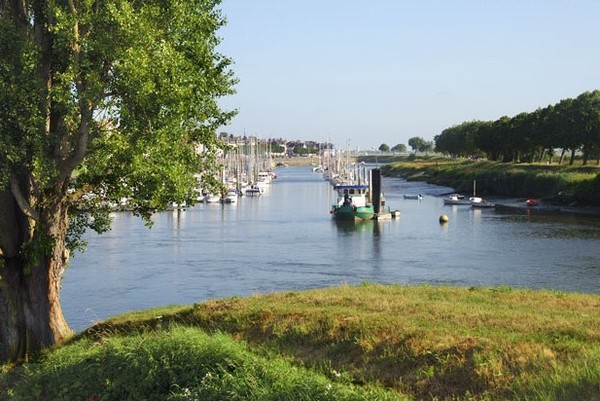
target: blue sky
382 71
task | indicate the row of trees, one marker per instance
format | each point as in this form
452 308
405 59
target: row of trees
399 148
417 144
571 125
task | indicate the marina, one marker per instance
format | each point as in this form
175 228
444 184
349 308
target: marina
286 240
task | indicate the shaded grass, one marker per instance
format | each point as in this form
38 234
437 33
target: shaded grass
177 364
425 342
577 382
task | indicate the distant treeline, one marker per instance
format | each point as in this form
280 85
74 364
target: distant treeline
572 126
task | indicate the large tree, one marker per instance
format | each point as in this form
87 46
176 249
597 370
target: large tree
459 140
99 100
384 147
587 119
399 148
416 143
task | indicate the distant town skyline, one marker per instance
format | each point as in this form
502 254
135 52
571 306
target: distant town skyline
366 73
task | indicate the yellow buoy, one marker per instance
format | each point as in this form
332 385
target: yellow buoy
443 219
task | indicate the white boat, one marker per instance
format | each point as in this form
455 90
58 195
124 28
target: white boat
264 177
416 197
480 202
456 199
211 198
230 197
176 206
253 191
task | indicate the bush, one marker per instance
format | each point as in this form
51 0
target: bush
589 191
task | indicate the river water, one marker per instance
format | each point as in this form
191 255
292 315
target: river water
286 240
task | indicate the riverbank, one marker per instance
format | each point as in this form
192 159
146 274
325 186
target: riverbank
367 342
573 186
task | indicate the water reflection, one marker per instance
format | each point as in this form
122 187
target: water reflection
347 227
362 241
555 225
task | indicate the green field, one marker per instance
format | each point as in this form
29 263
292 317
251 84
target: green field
369 342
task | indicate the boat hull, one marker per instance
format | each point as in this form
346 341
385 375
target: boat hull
483 205
349 212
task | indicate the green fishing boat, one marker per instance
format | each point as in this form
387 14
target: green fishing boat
359 201
352 203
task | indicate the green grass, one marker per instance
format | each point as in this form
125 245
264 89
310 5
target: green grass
181 363
366 342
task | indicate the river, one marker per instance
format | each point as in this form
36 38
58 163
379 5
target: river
286 240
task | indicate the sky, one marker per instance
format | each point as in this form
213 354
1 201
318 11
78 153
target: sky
361 73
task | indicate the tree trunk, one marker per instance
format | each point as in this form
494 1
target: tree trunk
562 156
32 318
586 156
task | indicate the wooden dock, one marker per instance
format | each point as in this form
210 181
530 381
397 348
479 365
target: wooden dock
392 214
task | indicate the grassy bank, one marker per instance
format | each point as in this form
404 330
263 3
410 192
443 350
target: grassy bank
562 184
369 342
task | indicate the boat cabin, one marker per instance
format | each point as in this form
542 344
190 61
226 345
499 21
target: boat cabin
356 195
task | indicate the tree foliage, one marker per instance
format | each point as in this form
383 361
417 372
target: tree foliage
98 102
570 125
399 148
415 142
276 148
458 141
384 148
419 144
304 151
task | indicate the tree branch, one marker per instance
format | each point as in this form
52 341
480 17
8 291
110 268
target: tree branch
85 107
21 201
78 153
